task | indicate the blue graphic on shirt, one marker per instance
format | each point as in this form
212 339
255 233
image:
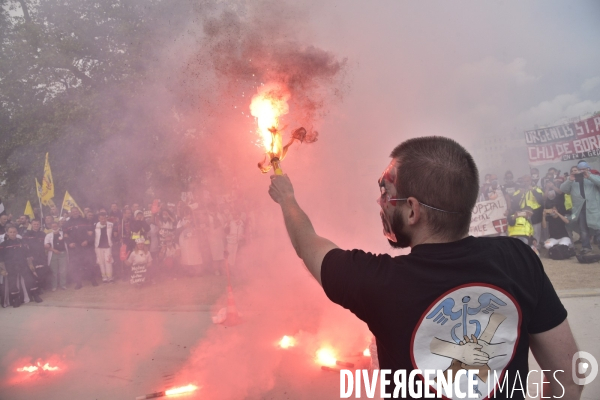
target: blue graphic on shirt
488 303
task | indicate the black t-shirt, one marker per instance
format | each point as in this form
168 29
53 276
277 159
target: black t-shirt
557 229
103 242
419 306
509 188
35 241
58 242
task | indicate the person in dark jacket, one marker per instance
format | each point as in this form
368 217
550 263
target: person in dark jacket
15 255
35 240
79 233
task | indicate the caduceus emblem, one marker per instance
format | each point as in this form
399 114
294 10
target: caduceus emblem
488 303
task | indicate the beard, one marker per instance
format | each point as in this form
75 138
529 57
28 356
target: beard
396 226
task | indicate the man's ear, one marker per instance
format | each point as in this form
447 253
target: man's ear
415 211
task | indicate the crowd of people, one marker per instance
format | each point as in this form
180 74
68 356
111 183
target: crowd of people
548 209
129 243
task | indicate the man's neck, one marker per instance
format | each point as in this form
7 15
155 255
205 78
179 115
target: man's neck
428 238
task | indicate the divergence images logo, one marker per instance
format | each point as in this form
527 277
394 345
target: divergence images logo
584 368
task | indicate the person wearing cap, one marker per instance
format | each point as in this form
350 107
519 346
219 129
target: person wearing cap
584 189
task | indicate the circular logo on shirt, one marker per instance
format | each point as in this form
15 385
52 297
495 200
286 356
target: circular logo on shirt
470 327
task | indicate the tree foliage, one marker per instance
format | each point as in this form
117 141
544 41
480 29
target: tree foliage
76 77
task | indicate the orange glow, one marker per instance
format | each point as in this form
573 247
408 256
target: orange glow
367 353
286 342
326 356
267 106
39 366
180 390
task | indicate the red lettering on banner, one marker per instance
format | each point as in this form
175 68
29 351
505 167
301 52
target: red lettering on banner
555 143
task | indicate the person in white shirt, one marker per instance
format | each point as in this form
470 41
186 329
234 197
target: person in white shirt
103 245
57 256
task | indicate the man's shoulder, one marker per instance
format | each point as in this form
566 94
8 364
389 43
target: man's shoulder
504 243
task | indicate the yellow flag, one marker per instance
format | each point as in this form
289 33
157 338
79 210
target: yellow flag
47 184
29 211
69 203
38 189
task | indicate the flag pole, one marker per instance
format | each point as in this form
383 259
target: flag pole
62 206
40 201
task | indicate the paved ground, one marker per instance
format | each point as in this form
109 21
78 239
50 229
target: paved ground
119 342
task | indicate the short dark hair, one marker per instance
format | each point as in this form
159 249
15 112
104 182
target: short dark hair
440 173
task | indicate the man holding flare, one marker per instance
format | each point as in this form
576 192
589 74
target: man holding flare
454 303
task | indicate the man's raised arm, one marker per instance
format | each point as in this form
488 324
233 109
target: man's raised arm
309 246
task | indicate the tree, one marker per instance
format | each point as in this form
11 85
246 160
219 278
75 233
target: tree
75 80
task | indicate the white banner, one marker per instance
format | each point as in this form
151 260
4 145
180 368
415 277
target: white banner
489 218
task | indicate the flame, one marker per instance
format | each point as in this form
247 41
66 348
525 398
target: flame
33 368
367 352
286 342
180 390
326 356
267 106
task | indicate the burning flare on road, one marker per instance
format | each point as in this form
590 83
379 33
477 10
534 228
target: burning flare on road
326 357
268 105
38 367
171 392
287 342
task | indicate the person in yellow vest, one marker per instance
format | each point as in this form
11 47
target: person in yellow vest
520 226
528 195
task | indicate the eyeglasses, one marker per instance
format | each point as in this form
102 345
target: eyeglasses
384 198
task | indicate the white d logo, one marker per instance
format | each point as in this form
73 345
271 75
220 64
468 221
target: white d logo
582 363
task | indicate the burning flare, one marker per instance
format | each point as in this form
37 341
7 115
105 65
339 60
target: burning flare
326 357
171 392
38 367
180 390
367 352
287 342
268 106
